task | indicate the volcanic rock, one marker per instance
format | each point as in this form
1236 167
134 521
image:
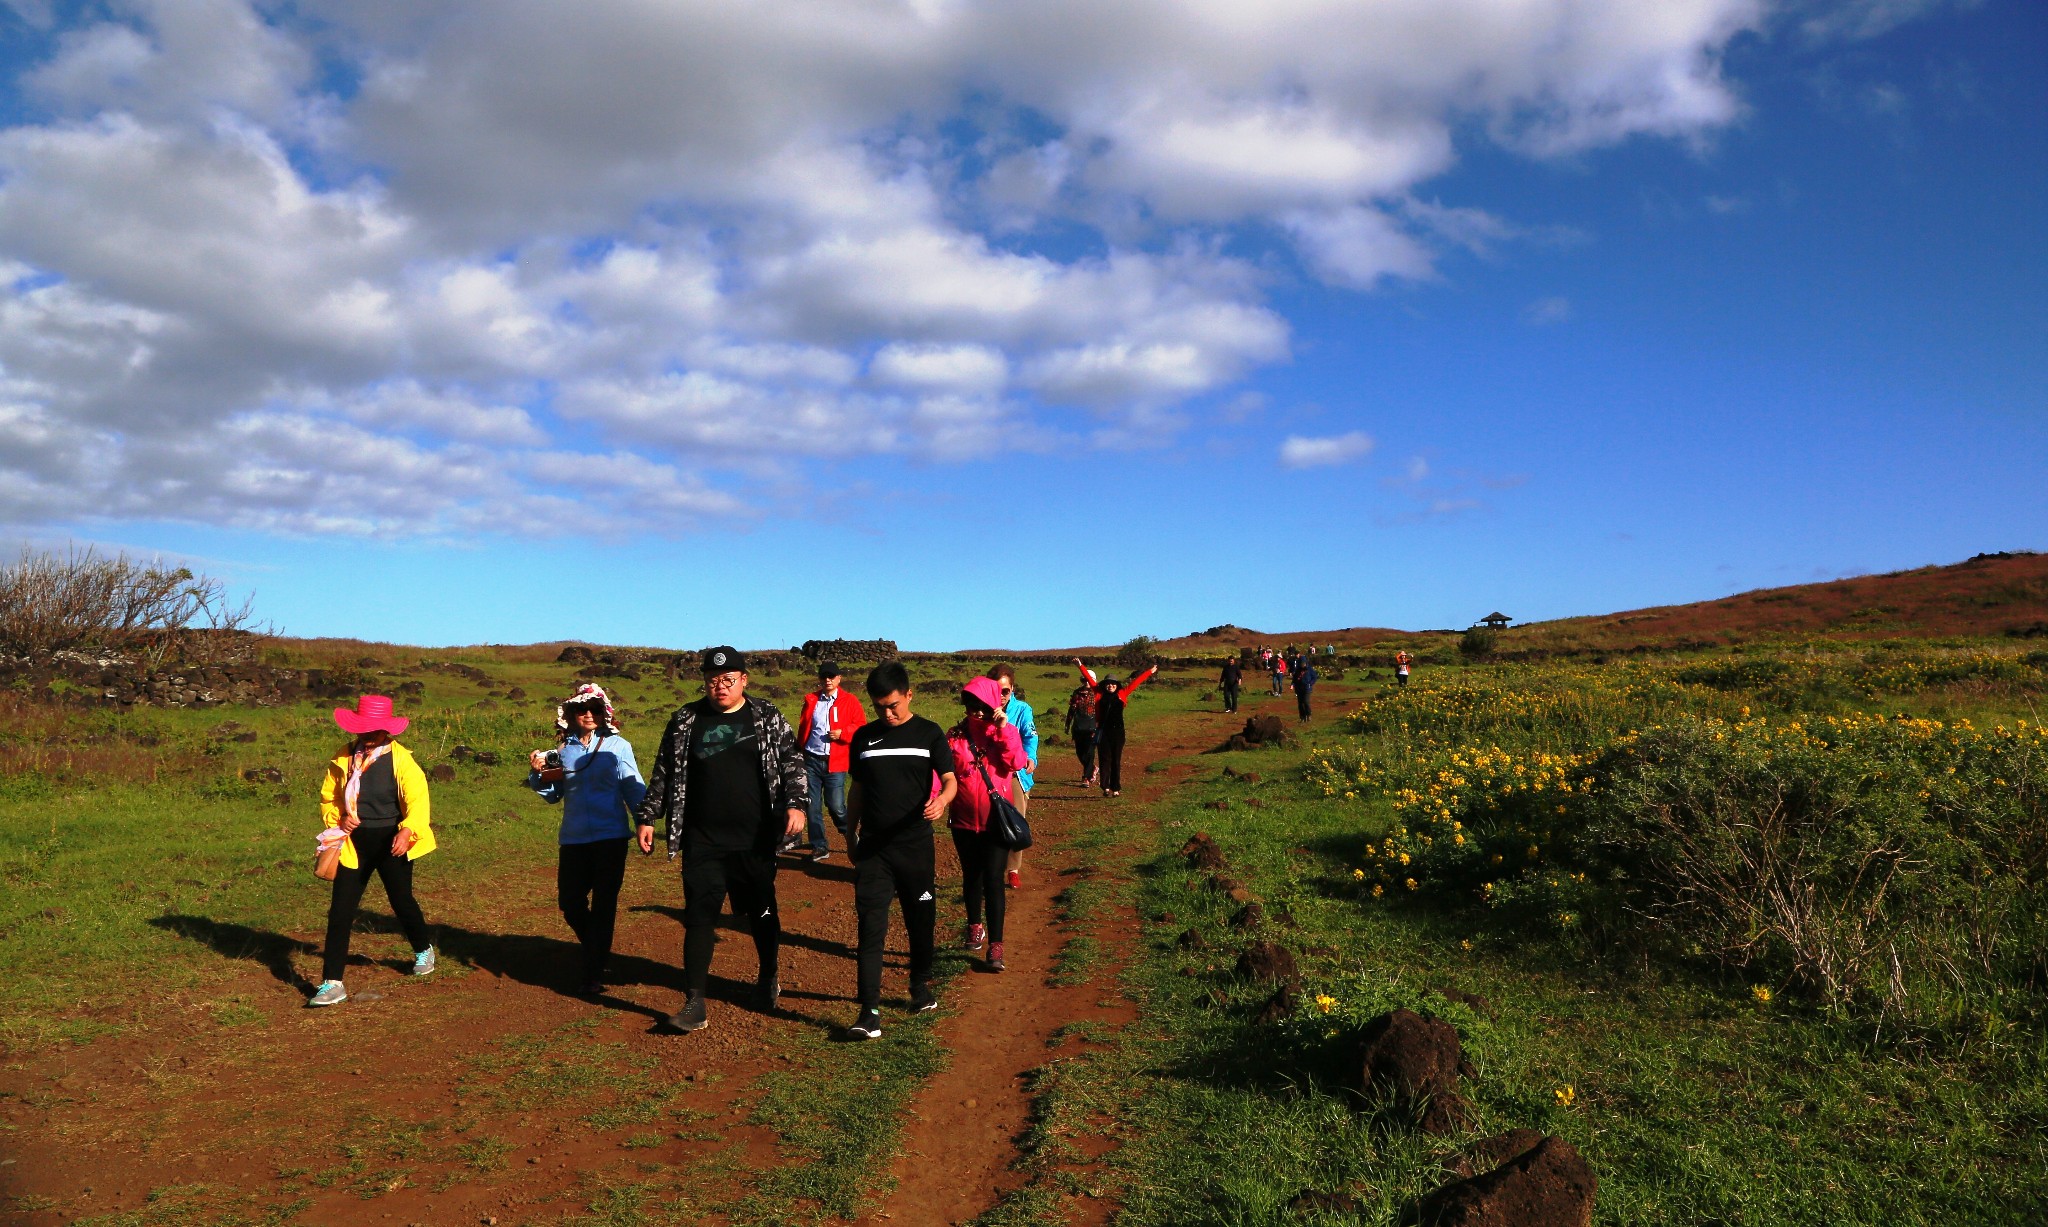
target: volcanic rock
441 773
1269 963
1488 1153
1201 852
1413 1064
1549 1185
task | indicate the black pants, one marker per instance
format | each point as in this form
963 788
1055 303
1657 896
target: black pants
708 877
1229 696
1301 702
1084 749
587 880
1112 747
904 871
981 878
373 855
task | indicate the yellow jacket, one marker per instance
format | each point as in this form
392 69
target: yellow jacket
412 802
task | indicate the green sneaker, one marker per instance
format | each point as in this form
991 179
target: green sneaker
330 992
423 962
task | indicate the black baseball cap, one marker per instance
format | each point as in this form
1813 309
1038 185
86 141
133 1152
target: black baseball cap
724 660
829 668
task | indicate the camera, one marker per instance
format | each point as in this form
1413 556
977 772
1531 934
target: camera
550 766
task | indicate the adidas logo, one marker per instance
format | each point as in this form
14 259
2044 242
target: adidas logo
926 897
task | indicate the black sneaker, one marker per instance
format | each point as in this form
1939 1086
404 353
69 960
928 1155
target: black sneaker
767 994
868 1026
921 999
691 1016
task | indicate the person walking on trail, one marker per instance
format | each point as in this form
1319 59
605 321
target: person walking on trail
988 753
1233 677
903 779
1277 665
1402 661
1110 697
826 727
596 780
1020 717
728 785
1080 724
373 801
1305 679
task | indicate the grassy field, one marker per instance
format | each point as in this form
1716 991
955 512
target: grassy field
1713 1069
1704 1087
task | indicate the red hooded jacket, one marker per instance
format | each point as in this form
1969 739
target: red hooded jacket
847 717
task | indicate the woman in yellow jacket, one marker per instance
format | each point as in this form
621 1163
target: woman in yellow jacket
376 793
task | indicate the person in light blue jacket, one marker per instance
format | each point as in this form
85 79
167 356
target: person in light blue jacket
1018 713
595 779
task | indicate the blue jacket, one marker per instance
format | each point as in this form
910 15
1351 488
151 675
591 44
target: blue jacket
600 789
1018 712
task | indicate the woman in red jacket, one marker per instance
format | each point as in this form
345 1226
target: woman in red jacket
987 753
1110 697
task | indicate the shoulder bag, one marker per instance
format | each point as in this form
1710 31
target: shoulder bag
1005 823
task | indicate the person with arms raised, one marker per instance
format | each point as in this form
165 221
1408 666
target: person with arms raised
1110 697
903 777
727 787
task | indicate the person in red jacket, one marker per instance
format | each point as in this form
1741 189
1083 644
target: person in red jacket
824 730
1110 697
987 752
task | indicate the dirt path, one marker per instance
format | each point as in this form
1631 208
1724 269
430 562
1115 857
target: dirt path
960 1145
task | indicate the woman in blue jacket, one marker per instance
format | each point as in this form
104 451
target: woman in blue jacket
597 782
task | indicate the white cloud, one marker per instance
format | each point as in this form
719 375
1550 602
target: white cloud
1308 452
710 243
1555 309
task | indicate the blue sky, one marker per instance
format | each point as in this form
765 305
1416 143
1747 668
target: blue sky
894 334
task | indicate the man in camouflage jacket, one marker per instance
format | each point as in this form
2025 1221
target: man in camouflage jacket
727 787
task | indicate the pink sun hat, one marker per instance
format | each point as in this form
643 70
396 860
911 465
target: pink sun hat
372 712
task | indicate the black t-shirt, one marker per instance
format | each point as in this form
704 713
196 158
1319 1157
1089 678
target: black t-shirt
727 802
894 766
1231 673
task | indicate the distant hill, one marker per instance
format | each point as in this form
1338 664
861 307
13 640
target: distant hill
1991 594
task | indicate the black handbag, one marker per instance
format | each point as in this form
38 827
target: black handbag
1005 821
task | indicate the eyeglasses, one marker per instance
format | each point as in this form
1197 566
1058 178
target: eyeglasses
724 681
1004 691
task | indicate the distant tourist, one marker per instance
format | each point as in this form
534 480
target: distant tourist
988 753
1277 664
1233 677
1110 697
1402 661
1018 713
728 786
594 777
826 727
903 779
376 795
1080 724
1305 679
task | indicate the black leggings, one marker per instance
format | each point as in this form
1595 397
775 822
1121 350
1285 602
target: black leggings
1301 702
981 878
708 877
587 880
902 871
1084 749
373 855
1230 696
1112 747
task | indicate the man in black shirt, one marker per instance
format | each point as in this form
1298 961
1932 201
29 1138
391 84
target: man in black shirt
728 787
1233 677
903 780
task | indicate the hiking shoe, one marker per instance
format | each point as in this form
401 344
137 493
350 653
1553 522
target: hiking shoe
1013 879
868 1026
995 956
767 994
819 858
921 999
330 992
423 962
691 1016
976 935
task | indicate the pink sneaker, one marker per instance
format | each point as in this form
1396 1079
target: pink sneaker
995 956
976 935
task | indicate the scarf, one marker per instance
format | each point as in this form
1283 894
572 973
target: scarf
358 763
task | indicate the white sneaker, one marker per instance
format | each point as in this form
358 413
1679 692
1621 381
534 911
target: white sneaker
330 992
